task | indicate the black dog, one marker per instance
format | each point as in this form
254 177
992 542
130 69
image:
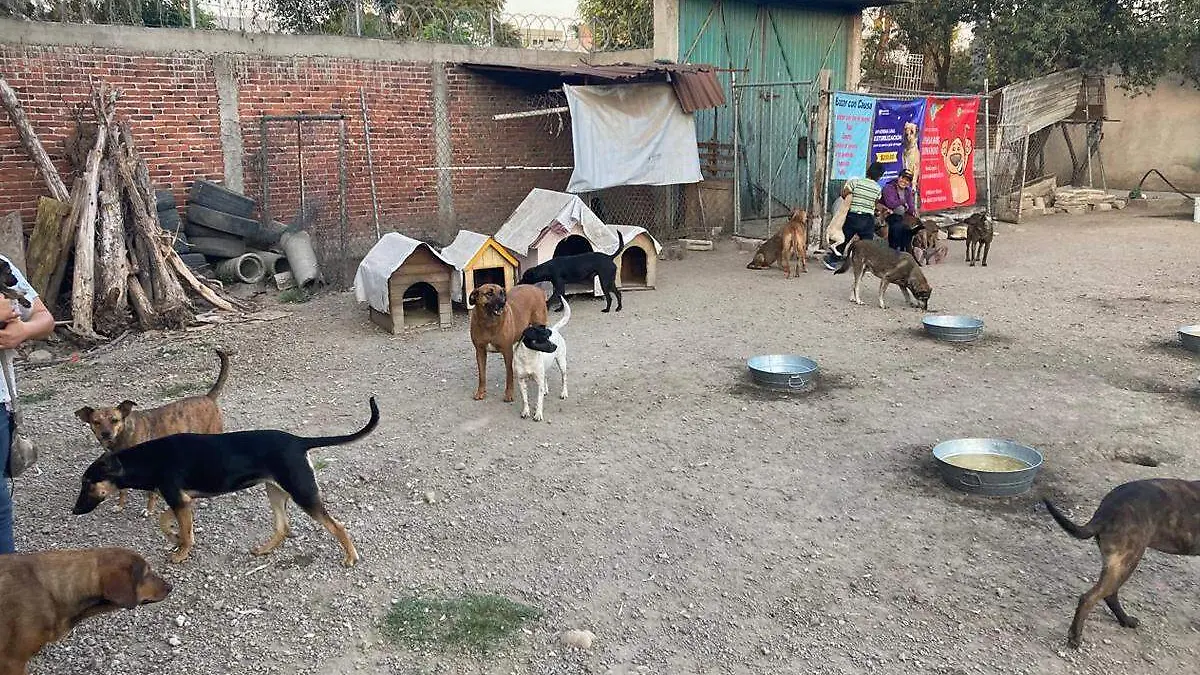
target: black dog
183 466
579 269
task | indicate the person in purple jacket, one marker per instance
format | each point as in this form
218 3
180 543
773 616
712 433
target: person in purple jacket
898 199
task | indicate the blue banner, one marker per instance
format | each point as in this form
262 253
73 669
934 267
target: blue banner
896 136
852 118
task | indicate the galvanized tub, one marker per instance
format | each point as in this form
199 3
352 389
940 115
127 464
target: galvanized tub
953 327
786 372
1189 336
984 481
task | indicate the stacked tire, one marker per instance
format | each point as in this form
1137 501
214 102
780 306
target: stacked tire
221 224
170 222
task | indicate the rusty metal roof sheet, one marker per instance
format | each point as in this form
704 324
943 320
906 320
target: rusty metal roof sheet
696 86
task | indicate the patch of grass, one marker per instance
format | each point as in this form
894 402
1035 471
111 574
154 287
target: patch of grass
319 464
295 295
180 389
472 622
36 397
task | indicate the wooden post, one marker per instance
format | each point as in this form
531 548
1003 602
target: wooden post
83 285
820 132
112 269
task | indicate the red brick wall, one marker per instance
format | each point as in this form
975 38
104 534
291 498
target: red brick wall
172 103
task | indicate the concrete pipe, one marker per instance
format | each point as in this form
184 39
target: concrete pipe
297 246
274 263
247 268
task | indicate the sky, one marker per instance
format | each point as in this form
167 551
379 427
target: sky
565 8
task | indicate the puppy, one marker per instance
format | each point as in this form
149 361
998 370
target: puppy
790 240
498 320
47 594
912 151
979 236
892 267
184 466
1159 513
121 427
538 346
8 286
579 269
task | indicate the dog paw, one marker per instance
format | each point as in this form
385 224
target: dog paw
983 264
508 398
537 417
350 560
1074 642
179 556
118 508
606 310
525 413
562 394
1131 622
480 395
146 512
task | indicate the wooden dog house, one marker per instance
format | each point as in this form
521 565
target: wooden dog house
478 259
637 268
405 283
549 224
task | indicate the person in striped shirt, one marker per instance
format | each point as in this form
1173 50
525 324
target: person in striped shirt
863 194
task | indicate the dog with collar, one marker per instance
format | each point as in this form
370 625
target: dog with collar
498 320
539 346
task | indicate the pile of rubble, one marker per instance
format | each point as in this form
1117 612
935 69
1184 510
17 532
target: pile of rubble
1043 197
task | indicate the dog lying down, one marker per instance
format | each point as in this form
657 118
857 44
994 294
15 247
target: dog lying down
539 346
184 466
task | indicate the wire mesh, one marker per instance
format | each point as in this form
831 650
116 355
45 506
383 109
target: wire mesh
1010 153
668 212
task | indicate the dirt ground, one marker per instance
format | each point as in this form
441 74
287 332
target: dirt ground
694 523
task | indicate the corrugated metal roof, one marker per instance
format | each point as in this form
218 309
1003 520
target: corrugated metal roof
696 86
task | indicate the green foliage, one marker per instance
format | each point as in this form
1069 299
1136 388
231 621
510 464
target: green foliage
152 13
473 622
619 24
465 22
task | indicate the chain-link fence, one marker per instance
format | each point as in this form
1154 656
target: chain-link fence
1009 162
365 18
667 212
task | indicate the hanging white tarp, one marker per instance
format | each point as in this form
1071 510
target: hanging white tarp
630 134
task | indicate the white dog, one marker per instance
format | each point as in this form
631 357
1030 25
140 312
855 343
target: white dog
538 346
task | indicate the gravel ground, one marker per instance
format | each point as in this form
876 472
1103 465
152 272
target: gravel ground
695 524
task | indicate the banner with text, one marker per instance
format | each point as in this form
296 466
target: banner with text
852 118
896 135
947 178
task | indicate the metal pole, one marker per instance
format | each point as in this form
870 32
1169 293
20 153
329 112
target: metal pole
770 162
987 150
343 190
1087 133
827 160
362 99
192 12
737 158
264 151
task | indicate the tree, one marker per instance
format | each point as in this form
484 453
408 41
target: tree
152 13
468 22
929 28
619 24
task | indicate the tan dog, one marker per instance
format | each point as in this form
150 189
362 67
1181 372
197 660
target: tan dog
46 594
892 267
790 240
498 321
122 427
912 152
979 237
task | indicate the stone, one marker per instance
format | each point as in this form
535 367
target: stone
1103 207
40 356
579 639
1118 204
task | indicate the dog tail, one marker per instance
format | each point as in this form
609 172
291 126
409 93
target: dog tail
562 323
1084 532
849 250
620 245
221 376
310 443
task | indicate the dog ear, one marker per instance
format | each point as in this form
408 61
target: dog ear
474 297
119 582
966 146
85 414
110 465
945 148
126 407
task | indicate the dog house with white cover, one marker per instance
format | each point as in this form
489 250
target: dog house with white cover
549 224
637 268
405 283
479 260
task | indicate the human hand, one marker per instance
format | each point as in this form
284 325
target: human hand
13 333
8 312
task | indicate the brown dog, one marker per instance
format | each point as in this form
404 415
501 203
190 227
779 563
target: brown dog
122 427
497 323
1160 513
979 236
892 267
790 240
46 594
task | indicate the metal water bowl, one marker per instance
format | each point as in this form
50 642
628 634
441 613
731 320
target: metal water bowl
953 327
785 372
987 466
1189 337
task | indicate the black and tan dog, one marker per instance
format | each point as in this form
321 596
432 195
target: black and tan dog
46 594
122 427
184 466
892 267
1160 513
789 241
979 237
579 269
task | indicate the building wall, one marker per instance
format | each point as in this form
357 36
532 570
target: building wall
195 100
1160 131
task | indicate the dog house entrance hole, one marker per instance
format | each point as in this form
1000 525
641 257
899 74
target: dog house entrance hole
633 267
420 305
572 245
489 275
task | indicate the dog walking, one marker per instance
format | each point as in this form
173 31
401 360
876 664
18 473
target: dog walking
863 194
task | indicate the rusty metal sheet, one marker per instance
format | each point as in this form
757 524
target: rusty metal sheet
696 86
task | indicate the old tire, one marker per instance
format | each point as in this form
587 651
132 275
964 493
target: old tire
181 244
169 220
193 260
219 198
218 247
164 200
194 230
225 222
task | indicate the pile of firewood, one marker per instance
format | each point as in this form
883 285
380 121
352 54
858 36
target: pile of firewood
124 270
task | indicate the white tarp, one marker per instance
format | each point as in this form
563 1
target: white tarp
629 232
460 251
557 211
630 134
389 253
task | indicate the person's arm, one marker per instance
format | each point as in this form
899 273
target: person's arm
17 331
846 189
889 198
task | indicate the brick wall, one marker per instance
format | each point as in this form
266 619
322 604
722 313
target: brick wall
172 103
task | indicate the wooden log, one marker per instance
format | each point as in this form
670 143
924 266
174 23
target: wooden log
42 253
33 146
196 285
66 242
143 309
112 258
83 285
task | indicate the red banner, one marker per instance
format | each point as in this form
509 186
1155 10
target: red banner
947 178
